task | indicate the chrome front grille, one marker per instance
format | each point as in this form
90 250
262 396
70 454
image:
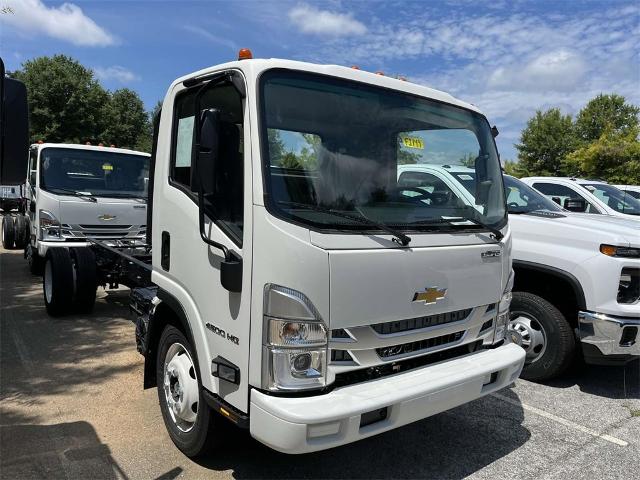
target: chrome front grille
385 344
102 232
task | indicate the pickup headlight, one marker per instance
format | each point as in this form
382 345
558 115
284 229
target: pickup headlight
295 342
502 322
625 252
49 226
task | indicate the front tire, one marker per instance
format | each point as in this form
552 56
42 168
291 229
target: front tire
21 229
84 264
189 420
545 335
57 284
8 232
35 261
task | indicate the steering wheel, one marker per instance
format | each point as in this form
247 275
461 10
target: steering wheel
512 205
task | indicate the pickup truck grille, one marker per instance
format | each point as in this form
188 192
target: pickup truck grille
383 345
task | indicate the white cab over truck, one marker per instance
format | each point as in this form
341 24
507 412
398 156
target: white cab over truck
74 194
588 196
293 286
577 277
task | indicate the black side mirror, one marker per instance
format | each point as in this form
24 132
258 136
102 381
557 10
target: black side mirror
14 130
204 178
557 200
207 151
483 183
575 204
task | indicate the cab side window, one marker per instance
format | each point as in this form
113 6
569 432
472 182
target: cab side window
562 192
225 205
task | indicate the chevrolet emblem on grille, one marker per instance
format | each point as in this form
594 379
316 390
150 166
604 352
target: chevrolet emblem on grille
107 217
430 295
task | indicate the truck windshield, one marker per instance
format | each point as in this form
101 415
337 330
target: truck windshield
615 198
341 145
521 198
98 173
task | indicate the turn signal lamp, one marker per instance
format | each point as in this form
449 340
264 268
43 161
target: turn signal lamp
380 73
40 142
245 54
355 67
88 143
625 252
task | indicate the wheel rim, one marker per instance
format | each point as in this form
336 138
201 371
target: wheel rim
180 387
48 277
532 335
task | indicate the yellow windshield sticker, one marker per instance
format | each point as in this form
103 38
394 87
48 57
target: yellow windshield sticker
107 166
413 142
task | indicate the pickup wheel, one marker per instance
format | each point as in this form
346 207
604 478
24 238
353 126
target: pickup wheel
20 239
34 260
84 269
189 420
8 232
544 333
57 284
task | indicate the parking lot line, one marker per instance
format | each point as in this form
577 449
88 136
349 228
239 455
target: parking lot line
561 420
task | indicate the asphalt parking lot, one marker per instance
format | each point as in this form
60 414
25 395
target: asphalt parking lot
72 406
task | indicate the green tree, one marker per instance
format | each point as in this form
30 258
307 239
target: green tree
65 100
127 123
545 142
614 157
606 112
514 169
67 104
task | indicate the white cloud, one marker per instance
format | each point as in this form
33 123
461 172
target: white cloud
212 38
509 64
312 20
66 22
117 73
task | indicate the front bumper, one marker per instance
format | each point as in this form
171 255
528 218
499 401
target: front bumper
308 424
44 245
611 335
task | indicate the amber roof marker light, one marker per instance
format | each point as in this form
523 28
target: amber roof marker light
245 54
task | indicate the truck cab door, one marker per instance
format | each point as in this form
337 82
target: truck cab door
185 265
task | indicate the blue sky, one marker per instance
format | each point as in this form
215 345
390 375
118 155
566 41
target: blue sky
509 58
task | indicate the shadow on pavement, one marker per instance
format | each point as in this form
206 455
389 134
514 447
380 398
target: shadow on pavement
453 444
40 355
64 450
616 382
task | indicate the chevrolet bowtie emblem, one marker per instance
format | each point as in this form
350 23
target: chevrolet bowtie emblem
106 217
430 295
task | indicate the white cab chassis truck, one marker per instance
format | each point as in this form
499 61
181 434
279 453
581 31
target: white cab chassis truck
75 194
293 286
577 276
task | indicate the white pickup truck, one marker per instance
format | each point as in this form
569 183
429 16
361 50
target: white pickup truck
587 196
577 275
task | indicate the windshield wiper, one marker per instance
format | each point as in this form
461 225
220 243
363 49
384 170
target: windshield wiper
84 195
124 195
495 233
398 237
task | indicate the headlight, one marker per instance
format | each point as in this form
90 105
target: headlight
295 342
614 251
502 322
49 226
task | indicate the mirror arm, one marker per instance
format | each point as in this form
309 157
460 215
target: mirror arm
205 239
